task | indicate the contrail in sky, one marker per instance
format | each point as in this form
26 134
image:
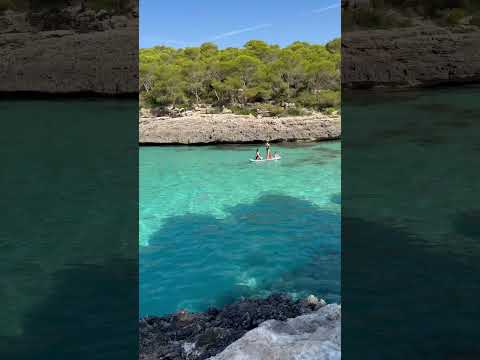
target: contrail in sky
318 11
241 31
249 29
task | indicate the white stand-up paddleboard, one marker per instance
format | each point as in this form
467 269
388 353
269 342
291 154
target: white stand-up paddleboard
263 160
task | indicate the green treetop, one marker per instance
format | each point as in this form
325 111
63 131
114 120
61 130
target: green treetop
303 74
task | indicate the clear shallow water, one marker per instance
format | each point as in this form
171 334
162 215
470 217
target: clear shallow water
214 227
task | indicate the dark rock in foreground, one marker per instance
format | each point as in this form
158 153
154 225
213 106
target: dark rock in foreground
202 335
315 336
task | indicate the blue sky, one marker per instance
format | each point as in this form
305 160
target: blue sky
180 23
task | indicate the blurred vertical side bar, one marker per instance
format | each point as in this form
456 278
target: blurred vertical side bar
410 189
69 179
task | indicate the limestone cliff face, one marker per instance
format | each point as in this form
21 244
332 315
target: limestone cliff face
229 128
85 52
411 57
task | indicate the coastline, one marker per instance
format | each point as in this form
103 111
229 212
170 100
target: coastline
245 329
210 129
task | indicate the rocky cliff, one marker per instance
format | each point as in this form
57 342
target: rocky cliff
229 128
69 51
411 57
314 336
198 336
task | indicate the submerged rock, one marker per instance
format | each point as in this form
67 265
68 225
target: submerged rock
197 336
314 336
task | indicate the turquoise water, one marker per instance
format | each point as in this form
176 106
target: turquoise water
215 227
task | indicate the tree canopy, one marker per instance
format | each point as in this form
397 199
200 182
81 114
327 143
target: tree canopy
442 12
115 6
304 74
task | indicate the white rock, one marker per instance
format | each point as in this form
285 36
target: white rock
312 300
314 336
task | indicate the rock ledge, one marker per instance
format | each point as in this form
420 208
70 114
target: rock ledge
314 336
229 128
199 336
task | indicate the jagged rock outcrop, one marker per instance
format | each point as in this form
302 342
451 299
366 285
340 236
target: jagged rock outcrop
411 57
314 336
229 128
198 336
69 51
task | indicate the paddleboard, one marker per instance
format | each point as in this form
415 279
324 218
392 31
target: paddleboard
263 160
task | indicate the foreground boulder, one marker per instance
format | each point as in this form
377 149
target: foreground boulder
314 336
198 336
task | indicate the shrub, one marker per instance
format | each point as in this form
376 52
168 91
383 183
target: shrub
271 109
118 6
455 16
330 110
334 46
242 110
308 100
377 16
320 101
6 5
328 99
378 4
295 111
266 109
214 110
48 4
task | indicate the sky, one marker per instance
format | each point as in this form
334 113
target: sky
184 23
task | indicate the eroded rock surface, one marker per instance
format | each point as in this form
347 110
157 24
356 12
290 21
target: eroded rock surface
198 336
314 336
69 52
411 57
229 128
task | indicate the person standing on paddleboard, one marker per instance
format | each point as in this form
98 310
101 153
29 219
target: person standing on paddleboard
267 148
